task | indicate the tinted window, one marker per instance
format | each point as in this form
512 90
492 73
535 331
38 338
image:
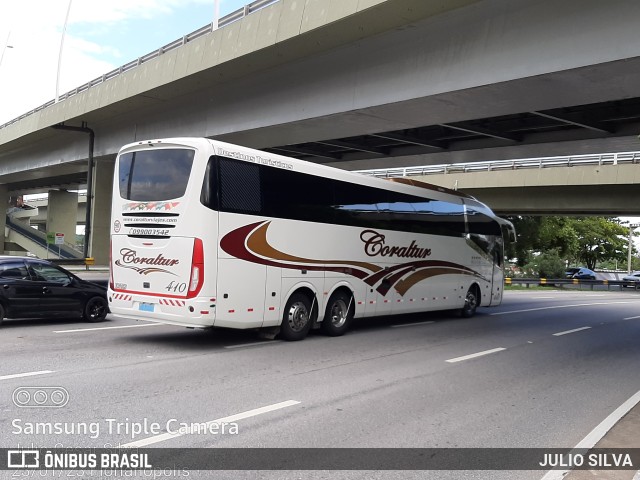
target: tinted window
240 187
14 270
274 192
482 224
155 174
297 196
49 273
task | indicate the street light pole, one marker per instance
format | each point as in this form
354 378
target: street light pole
6 45
630 245
64 30
216 14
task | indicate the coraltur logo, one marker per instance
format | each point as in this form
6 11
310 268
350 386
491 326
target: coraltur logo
374 245
129 259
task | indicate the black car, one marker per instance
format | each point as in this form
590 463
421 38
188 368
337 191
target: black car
30 287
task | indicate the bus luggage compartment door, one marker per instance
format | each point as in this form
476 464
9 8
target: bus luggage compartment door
241 294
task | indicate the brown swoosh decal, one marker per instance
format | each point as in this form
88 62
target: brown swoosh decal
247 242
257 242
404 285
235 244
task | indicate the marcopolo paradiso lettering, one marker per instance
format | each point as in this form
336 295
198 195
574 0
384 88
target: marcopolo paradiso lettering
374 244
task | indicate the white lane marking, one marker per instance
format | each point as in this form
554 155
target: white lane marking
637 476
475 355
566 332
631 318
28 374
106 328
412 324
558 306
232 418
597 433
255 344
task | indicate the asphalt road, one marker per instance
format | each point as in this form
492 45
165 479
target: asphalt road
542 370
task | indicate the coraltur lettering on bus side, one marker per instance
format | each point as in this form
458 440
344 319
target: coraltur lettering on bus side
374 245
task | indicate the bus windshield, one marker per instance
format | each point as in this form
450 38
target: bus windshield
155 175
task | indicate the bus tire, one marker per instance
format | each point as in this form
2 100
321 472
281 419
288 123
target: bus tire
470 303
338 315
296 321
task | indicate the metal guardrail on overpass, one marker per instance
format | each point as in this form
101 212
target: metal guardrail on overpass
226 20
497 165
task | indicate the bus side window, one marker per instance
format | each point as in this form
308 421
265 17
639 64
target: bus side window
240 190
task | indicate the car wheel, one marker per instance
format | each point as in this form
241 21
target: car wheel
1 314
338 314
95 309
470 304
296 321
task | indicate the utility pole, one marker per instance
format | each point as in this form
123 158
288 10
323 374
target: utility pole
630 245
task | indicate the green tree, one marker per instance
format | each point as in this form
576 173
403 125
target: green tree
550 264
584 240
599 239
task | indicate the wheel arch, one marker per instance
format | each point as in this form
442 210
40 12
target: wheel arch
308 290
476 288
346 288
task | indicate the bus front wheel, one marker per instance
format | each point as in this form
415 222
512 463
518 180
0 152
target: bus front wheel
470 303
297 318
338 314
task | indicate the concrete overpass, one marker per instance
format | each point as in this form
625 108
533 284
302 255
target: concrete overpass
572 185
356 84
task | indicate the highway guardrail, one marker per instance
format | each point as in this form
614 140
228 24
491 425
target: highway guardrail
561 282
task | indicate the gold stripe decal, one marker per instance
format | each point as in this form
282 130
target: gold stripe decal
250 243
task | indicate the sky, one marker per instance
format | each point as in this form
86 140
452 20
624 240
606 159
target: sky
101 35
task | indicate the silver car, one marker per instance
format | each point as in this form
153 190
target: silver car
632 277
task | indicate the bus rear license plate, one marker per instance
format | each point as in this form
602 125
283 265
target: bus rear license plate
146 307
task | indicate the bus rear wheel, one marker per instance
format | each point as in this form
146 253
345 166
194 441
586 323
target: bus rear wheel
297 318
338 314
470 303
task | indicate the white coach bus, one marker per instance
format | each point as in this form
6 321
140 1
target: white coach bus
208 234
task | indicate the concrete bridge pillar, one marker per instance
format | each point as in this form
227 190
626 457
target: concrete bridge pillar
101 211
62 214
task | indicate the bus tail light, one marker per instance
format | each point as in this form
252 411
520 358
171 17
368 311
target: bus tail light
197 269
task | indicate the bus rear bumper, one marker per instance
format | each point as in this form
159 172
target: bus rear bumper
196 312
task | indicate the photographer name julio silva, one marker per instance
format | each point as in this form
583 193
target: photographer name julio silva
132 429
591 460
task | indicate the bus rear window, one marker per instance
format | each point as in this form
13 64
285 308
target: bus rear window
154 174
